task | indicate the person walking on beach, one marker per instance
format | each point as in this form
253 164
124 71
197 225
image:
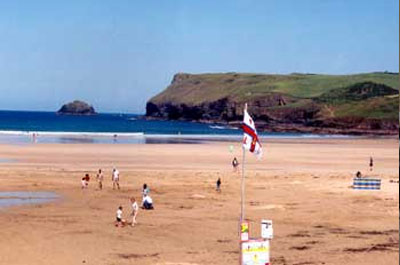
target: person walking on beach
115 178
135 209
235 164
371 163
219 185
100 179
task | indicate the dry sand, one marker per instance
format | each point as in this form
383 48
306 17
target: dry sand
302 185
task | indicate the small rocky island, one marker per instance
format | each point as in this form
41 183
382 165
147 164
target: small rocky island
77 107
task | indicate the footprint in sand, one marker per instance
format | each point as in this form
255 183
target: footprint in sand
269 207
177 263
198 196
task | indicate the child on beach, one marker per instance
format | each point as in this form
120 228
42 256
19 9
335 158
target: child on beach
115 178
100 179
85 181
135 209
147 203
145 190
119 221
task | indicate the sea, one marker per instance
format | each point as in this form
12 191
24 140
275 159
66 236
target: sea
49 127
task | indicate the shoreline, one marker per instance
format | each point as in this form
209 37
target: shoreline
26 137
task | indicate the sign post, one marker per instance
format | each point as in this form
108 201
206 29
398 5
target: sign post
255 252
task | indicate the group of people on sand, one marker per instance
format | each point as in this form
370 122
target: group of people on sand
147 204
147 201
100 178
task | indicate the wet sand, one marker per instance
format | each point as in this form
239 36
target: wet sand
302 185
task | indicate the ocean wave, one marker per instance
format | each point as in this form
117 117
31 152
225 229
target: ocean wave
218 127
106 136
73 134
239 137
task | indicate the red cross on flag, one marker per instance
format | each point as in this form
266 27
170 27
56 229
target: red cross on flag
250 138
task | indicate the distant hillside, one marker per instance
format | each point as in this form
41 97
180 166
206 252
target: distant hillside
357 104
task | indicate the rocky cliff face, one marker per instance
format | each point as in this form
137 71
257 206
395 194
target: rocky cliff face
358 108
77 108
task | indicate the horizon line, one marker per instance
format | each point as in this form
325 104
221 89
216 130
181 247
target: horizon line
49 111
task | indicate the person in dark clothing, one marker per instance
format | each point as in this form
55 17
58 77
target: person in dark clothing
219 185
371 163
235 164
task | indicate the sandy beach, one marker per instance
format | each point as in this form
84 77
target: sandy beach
303 185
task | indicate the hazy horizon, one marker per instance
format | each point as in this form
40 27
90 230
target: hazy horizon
116 56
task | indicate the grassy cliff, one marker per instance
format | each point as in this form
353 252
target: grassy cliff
360 103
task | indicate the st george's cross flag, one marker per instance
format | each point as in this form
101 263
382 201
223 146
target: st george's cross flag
250 138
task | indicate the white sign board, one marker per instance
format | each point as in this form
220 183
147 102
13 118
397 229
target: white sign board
267 231
255 252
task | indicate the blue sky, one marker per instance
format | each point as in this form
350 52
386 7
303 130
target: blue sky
117 54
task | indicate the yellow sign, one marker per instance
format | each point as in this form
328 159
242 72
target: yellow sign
244 231
245 227
255 252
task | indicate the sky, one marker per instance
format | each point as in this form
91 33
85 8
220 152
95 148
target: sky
116 55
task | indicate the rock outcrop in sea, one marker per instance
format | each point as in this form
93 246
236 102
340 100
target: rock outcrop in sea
77 107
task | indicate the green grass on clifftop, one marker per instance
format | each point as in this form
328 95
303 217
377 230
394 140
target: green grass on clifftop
203 88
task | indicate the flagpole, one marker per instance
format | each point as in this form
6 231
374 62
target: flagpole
242 215
242 188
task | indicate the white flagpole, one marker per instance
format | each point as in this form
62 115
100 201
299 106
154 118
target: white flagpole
242 216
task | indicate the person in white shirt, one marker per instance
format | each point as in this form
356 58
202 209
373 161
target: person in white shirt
100 179
147 203
115 178
119 221
135 209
